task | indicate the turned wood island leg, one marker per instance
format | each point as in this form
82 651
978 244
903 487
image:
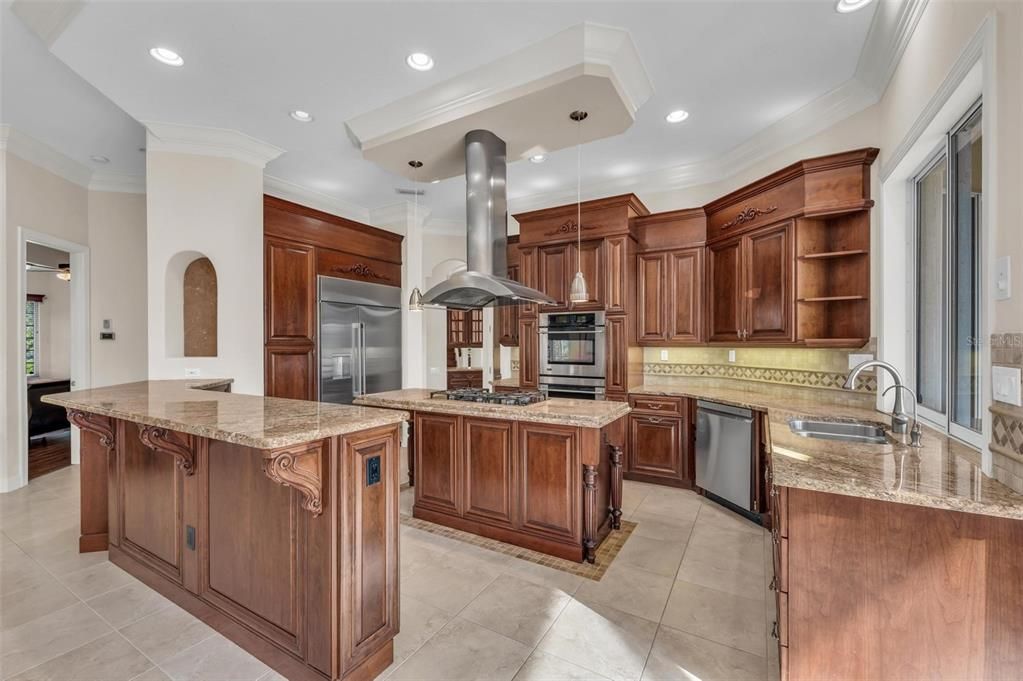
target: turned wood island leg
590 513
616 486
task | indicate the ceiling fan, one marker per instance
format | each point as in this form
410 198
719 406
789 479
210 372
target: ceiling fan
63 270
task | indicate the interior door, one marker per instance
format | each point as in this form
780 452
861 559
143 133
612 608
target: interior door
769 284
338 353
381 330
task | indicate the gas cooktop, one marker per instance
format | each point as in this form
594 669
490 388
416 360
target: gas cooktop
480 395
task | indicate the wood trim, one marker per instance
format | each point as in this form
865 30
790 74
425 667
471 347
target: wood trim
301 468
169 442
299 209
34 297
294 222
629 200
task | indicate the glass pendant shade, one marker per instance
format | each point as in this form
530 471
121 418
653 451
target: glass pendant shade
415 301
578 292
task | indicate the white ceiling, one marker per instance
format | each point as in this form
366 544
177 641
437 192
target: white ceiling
738 66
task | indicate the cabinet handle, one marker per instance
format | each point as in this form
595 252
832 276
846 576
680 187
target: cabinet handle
653 406
774 584
654 419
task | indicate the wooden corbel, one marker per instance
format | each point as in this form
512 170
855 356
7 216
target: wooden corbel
299 467
170 442
94 423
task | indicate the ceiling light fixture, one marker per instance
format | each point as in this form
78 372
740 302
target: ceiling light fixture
538 158
847 6
99 159
65 271
677 116
434 181
419 61
302 116
166 56
578 293
415 301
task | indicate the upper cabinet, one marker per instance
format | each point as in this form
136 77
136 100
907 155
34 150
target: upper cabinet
465 328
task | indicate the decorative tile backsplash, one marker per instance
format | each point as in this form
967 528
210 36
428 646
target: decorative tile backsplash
802 377
1006 419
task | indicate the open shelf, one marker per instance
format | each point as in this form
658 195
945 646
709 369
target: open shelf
835 342
829 299
833 254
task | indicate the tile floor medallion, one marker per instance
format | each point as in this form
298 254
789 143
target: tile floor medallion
685 597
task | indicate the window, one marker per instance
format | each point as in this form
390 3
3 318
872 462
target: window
32 335
947 208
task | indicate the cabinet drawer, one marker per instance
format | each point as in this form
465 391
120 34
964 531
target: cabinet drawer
654 404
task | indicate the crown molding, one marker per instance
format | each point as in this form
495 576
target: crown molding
296 193
890 32
203 141
46 157
114 182
394 217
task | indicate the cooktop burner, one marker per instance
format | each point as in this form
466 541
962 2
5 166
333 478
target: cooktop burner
480 395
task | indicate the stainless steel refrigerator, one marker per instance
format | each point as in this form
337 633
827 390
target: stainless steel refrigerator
360 339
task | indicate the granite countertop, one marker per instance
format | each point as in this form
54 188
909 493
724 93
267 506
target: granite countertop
941 474
510 382
197 407
579 413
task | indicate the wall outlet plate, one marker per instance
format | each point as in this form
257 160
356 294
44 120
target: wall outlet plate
1006 385
1003 278
664 355
731 355
193 372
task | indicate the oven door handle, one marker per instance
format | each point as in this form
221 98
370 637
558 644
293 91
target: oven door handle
567 333
549 388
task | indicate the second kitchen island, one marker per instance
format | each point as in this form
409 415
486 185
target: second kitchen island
544 476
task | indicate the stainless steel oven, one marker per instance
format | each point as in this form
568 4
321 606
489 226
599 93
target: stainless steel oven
572 345
572 388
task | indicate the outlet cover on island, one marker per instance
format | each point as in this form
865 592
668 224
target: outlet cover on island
664 355
731 356
192 372
855 360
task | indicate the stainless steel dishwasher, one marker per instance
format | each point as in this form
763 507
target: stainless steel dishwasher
724 453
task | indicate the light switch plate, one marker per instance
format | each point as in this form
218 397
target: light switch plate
1003 278
1006 385
857 359
664 355
731 355
193 372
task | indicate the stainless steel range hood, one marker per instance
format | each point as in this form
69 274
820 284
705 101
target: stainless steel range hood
484 283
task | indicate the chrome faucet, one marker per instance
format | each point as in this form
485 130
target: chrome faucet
916 433
900 419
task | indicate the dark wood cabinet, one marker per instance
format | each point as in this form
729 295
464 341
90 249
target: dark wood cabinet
552 275
750 287
620 274
290 273
465 379
507 325
556 268
650 291
617 375
684 319
438 477
291 371
491 470
529 350
660 440
465 328
549 469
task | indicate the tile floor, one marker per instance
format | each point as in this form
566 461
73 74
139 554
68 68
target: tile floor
686 599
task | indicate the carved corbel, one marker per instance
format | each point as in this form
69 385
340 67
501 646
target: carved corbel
170 442
300 468
94 423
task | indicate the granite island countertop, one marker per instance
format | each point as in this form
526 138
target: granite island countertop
941 474
199 407
558 411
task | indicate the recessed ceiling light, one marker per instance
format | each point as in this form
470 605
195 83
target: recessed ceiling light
166 56
434 181
100 159
419 61
677 116
538 158
302 116
846 6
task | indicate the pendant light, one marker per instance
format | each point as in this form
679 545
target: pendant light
415 301
578 293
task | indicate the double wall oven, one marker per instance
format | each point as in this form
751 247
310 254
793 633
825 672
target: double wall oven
572 355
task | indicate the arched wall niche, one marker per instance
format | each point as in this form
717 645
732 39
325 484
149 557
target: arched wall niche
192 313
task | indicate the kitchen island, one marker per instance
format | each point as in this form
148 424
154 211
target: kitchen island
544 476
275 521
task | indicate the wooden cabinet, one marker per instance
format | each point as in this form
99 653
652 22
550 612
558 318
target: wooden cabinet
438 463
529 350
465 328
507 326
552 275
660 441
617 375
549 480
670 297
556 268
291 371
750 287
465 379
491 470
290 273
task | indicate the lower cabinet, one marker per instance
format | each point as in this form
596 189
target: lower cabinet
490 470
660 442
290 371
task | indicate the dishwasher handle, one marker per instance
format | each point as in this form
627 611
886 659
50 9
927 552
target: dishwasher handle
725 410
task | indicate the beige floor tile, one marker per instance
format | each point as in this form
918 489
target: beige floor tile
678 655
544 667
717 569
167 632
714 513
58 552
272 676
95 580
599 637
46 637
419 622
731 546
26 605
215 659
154 674
464 651
448 582
630 590
516 608
653 555
662 528
109 658
19 572
128 603
678 504
543 575
722 617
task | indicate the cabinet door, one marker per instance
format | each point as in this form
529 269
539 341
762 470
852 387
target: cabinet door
616 255
617 354
650 304
685 277
589 256
475 318
655 446
290 291
724 301
529 350
550 480
489 470
438 453
457 335
768 289
508 317
552 275
291 372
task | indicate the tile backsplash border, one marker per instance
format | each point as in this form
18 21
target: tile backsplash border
800 377
1007 420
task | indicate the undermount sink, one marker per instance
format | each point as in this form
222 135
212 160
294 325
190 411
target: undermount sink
848 431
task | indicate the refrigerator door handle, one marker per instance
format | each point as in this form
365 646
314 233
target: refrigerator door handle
358 360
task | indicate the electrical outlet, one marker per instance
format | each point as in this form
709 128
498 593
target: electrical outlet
731 356
857 359
664 355
193 372
1003 278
